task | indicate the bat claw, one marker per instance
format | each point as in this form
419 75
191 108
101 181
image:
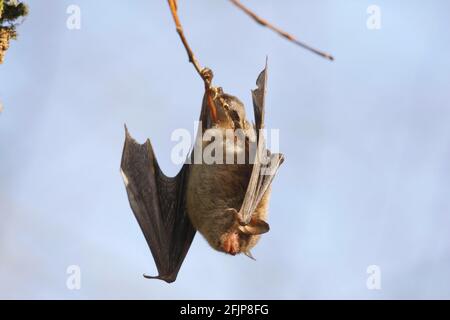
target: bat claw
249 254
168 279
207 74
236 215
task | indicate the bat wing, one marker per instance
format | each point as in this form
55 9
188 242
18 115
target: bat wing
265 165
158 204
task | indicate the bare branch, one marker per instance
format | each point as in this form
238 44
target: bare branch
205 73
282 33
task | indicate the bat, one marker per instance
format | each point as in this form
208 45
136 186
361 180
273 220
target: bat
227 203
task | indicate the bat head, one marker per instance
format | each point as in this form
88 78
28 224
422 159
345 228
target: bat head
241 239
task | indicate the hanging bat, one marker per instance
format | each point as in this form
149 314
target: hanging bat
226 203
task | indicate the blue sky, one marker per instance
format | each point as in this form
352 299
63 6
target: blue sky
366 179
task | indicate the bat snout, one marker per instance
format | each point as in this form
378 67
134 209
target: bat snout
230 243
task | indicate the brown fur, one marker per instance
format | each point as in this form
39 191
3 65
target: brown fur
214 190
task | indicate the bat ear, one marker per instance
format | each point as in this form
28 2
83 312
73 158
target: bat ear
255 227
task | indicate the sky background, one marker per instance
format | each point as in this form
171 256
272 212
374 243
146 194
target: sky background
366 138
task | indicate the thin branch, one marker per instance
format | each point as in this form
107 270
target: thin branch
282 33
205 73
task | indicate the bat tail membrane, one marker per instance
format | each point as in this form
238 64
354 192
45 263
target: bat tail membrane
158 204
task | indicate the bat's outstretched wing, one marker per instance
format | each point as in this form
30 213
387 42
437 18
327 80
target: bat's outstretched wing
265 164
158 204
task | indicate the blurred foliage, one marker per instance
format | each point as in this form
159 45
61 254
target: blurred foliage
12 13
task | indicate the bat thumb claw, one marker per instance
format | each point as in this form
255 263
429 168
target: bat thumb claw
249 254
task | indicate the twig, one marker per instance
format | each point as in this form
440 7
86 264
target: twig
205 73
282 33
